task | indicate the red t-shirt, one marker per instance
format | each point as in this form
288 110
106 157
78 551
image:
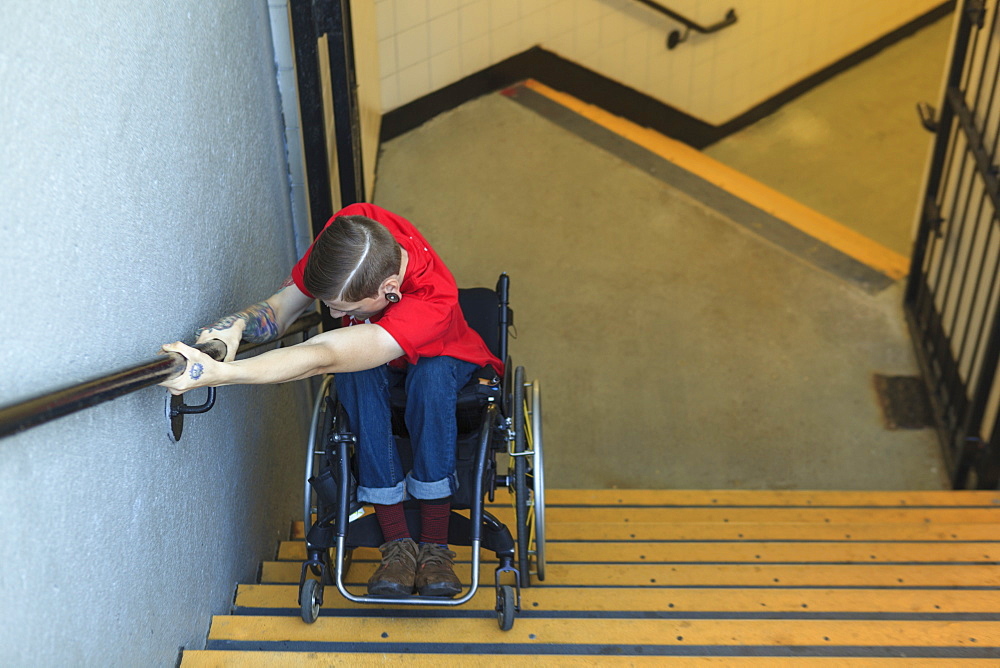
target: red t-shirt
427 321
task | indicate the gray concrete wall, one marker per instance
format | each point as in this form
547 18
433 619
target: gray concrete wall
143 191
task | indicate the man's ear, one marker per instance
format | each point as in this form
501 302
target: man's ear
391 284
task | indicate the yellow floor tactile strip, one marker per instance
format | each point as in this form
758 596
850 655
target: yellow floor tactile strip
782 207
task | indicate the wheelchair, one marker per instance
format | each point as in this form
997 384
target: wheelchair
499 446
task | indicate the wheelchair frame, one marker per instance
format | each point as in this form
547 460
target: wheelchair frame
512 419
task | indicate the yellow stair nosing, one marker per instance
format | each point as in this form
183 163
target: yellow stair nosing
727 497
730 552
541 600
713 575
615 632
671 572
278 659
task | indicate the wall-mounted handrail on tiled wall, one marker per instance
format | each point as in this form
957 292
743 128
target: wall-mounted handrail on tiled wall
676 37
47 407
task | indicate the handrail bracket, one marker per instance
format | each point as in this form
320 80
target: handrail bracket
177 409
676 36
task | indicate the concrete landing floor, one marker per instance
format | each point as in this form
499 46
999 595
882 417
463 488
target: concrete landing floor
675 347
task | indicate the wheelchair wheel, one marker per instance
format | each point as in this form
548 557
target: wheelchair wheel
528 478
319 433
538 479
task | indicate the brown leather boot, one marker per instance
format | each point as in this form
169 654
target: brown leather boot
435 571
395 575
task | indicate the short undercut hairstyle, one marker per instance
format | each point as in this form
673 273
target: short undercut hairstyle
350 259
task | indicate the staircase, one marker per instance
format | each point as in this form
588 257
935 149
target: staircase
745 578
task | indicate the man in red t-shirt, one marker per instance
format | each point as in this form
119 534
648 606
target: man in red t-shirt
403 324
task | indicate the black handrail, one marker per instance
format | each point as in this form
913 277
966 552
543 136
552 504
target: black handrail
675 37
47 407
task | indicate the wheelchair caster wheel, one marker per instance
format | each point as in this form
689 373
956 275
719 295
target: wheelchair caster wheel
310 599
506 607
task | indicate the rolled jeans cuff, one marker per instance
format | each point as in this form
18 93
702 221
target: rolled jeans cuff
438 489
384 496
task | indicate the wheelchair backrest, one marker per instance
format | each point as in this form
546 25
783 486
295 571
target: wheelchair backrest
487 312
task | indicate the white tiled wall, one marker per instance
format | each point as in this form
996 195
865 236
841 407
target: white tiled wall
424 45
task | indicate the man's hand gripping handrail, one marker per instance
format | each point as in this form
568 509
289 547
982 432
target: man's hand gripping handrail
43 408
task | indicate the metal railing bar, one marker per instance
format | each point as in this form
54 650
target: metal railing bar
941 160
975 140
50 406
727 21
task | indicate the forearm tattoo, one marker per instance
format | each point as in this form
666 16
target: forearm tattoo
261 323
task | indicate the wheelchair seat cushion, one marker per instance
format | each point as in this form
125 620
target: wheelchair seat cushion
483 387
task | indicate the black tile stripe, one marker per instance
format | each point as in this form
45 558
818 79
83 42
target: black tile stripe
593 88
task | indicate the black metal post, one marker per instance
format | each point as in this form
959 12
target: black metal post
334 19
310 89
930 212
970 433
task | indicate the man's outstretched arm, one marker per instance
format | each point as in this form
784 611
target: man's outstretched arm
342 350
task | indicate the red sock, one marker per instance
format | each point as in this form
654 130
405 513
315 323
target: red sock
434 516
392 519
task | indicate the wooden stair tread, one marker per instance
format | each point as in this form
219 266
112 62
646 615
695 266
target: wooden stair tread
278 659
647 633
760 552
729 497
699 578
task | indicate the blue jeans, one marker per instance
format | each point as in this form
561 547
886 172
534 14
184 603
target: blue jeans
432 386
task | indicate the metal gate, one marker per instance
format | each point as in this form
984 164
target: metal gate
954 284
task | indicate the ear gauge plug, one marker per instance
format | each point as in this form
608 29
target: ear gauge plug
391 297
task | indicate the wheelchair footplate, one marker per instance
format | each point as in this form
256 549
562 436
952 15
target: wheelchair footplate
330 556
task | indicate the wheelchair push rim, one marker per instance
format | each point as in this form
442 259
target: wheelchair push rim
538 478
527 468
318 431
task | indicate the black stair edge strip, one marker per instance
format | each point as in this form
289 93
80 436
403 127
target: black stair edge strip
746 562
719 587
839 541
739 541
798 651
677 506
459 613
